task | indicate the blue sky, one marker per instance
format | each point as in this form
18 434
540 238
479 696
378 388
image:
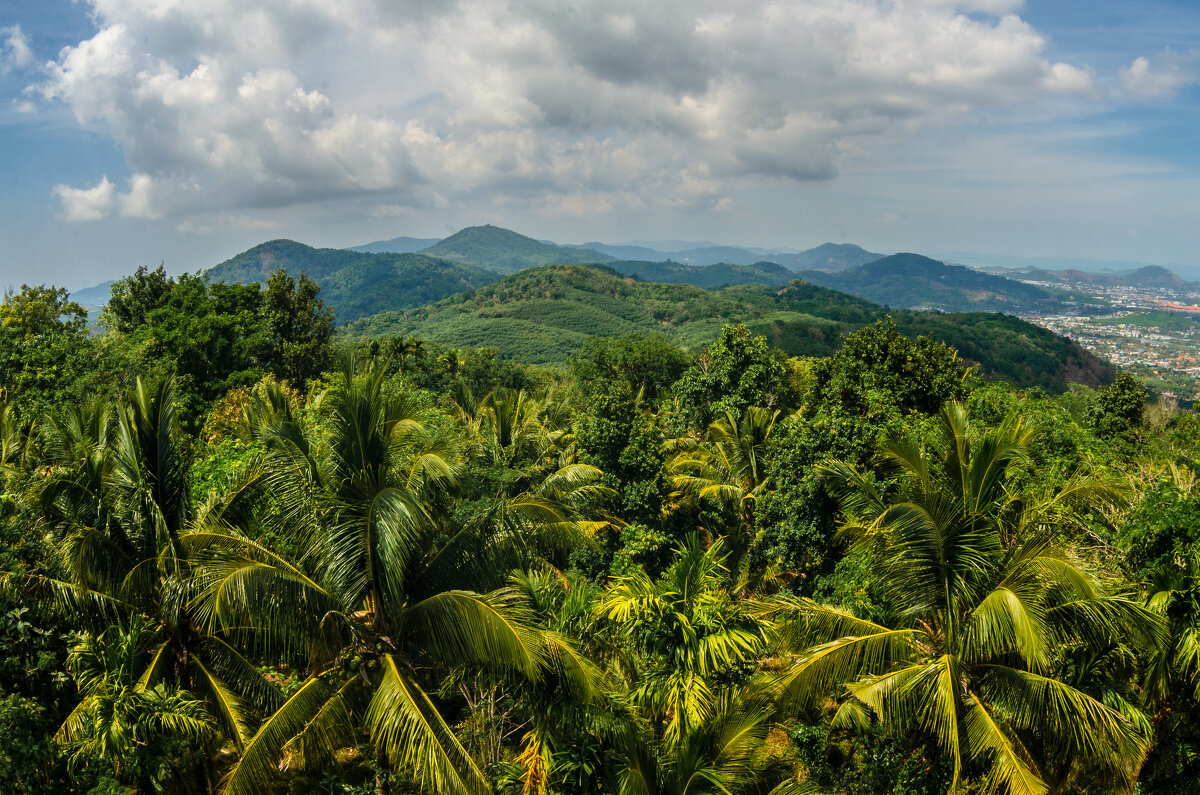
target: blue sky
136 132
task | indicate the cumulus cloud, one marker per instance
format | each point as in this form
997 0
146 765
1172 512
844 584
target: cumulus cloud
87 204
15 52
566 107
1169 73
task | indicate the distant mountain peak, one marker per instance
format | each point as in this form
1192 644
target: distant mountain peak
505 251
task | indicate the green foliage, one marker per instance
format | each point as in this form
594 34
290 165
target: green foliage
359 585
706 276
737 371
648 365
1116 412
299 329
877 367
40 310
28 755
218 336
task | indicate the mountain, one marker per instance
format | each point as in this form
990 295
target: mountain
505 251
354 284
1150 276
911 281
1156 276
832 257
397 245
543 315
708 276
94 297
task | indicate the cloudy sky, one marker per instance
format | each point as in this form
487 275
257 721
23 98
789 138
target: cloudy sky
136 132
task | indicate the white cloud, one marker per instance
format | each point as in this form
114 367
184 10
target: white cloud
86 204
15 52
1063 78
589 106
1169 73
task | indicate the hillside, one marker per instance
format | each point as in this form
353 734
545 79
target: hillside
504 251
354 284
543 315
911 281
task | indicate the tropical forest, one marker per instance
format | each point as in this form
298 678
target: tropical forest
758 540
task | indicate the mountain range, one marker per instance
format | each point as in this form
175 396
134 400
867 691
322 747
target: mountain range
537 301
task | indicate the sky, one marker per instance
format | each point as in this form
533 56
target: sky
181 132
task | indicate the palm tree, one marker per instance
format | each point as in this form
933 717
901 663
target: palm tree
981 605
728 468
114 495
380 597
451 361
691 651
691 638
726 754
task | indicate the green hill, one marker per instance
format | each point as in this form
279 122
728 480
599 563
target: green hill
910 281
355 284
505 251
543 315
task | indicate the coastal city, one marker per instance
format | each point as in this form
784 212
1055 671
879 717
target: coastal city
1154 332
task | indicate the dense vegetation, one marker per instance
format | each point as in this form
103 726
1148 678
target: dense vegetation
544 315
235 558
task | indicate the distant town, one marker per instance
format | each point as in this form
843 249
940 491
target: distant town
1152 332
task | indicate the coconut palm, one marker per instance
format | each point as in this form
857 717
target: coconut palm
380 598
114 495
691 639
726 754
728 468
981 610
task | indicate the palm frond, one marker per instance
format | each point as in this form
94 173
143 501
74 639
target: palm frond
1008 769
461 627
257 770
408 728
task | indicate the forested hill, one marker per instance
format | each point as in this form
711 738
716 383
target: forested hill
907 281
505 251
355 284
544 315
